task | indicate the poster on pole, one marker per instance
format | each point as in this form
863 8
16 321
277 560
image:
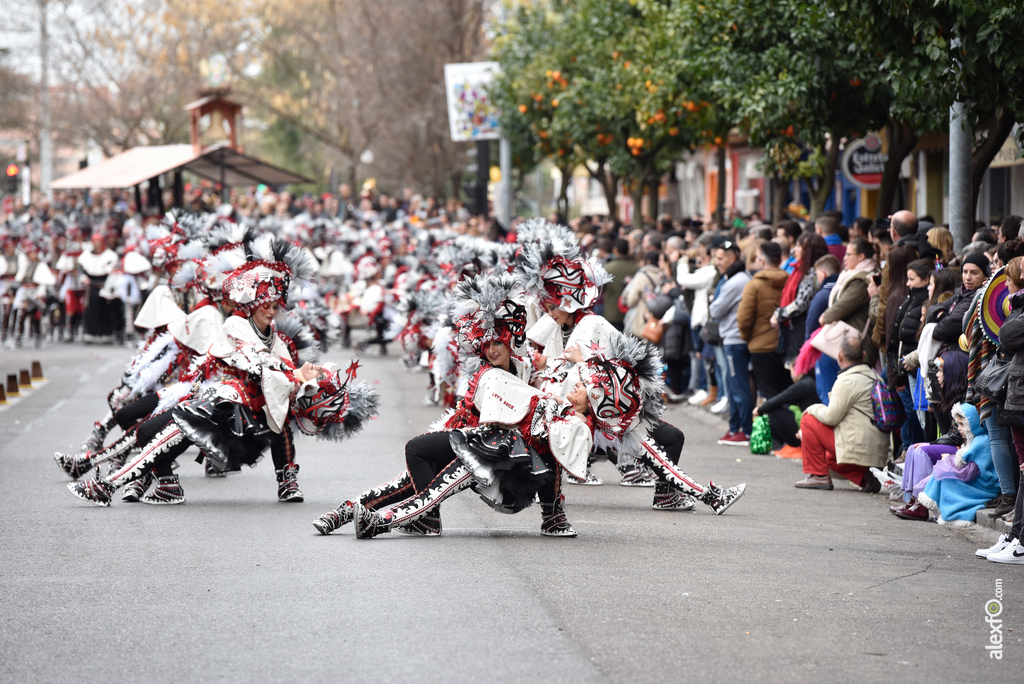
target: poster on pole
471 113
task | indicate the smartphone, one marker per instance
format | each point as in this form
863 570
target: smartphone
878 279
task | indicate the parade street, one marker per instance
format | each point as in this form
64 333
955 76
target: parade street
787 586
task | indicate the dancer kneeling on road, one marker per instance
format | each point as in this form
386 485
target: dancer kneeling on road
236 419
567 288
506 439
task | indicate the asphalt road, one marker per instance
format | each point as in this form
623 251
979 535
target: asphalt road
787 586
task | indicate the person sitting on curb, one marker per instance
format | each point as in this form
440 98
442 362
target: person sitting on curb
841 437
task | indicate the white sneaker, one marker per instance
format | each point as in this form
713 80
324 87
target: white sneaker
995 548
720 406
698 396
1013 553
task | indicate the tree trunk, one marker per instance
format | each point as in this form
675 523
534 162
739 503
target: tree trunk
456 181
609 184
998 129
637 193
827 182
720 201
654 183
902 140
612 193
778 199
563 191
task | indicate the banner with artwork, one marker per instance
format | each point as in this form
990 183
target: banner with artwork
471 113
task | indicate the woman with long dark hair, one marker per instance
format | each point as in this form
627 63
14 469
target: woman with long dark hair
791 316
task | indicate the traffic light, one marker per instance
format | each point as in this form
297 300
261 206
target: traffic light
12 172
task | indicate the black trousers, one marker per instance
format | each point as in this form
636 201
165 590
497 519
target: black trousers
381 326
130 414
430 453
770 374
670 439
783 426
150 429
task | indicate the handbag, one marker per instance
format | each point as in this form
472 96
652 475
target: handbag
710 334
653 331
991 382
830 336
761 435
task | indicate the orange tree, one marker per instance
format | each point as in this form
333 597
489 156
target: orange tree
577 87
776 71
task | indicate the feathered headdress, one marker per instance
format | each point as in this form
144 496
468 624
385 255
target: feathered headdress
338 409
187 256
273 267
551 268
485 310
624 388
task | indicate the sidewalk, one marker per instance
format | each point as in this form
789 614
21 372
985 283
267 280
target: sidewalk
985 529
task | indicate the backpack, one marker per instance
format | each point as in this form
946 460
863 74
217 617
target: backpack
886 407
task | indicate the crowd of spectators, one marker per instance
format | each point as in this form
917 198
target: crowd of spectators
798 325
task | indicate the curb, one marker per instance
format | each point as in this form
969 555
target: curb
999 525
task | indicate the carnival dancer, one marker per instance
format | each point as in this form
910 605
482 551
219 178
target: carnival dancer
166 367
72 288
97 264
373 303
566 288
164 358
614 394
235 420
33 281
510 465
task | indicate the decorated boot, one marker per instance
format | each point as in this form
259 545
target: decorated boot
719 500
210 468
136 489
94 490
94 442
333 520
287 487
74 465
668 498
553 521
454 478
167 492
636 475
384 496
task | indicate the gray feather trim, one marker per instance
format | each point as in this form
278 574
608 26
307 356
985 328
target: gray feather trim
185 275
298 331
363 404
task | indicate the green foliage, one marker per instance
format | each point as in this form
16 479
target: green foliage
633 83
933 52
